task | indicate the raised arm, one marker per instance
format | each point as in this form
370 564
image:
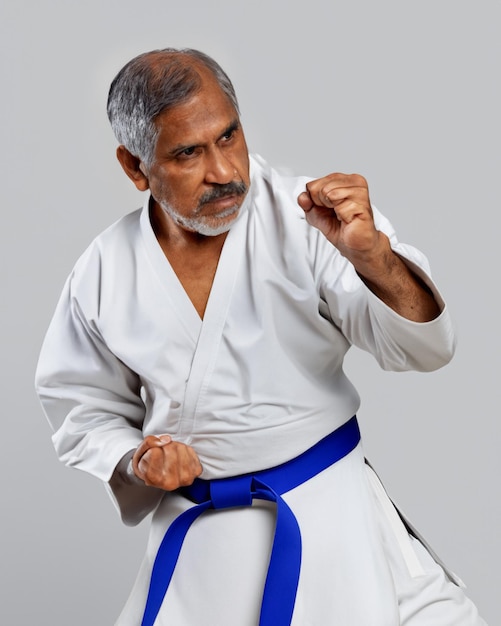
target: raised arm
339 206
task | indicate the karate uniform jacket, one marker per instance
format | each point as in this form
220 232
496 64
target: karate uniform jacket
255 383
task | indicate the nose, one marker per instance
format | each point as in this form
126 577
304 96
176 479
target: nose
219 169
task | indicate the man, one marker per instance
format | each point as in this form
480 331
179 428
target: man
194 364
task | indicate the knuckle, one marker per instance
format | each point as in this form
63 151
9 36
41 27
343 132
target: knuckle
359 180
171 484
171 479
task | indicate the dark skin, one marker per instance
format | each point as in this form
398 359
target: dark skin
339 206
201 145
194 261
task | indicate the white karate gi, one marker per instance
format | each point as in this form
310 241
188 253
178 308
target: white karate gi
254 384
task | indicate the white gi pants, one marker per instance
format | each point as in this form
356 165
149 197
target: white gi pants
359 568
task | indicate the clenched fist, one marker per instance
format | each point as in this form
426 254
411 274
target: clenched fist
339 206
166 464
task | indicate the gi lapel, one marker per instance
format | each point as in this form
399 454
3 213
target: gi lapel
212 327
205 335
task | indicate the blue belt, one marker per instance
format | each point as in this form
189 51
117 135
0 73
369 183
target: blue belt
285 562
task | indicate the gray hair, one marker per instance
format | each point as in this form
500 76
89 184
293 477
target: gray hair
150 84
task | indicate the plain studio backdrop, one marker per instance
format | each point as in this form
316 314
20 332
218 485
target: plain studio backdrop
405 93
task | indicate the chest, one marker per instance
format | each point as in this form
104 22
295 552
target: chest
197 280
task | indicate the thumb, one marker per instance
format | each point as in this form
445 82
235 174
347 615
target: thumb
304 200
164 439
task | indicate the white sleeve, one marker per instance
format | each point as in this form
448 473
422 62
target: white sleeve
397 343
93 404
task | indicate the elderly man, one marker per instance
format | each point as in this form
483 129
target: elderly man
194 364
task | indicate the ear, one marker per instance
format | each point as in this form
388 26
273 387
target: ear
133 167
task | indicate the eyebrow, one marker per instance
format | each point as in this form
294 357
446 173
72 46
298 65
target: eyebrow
232 127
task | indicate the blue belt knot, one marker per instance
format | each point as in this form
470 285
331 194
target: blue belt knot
281 584
230 492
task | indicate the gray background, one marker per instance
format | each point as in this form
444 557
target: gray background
406 93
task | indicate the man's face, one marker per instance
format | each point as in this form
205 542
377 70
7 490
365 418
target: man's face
200 170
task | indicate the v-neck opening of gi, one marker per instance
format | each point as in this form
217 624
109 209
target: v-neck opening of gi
177 294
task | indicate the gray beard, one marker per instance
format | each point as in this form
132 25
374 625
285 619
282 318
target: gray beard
207 226
210 226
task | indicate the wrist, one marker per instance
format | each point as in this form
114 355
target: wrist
378 264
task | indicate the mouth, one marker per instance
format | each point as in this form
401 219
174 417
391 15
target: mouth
225 199
225 204
221 208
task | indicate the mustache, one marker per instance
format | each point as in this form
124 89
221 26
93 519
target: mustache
234 188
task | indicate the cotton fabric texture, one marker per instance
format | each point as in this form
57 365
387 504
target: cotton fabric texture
254 384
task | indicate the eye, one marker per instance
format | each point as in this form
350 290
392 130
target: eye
229 134
187 153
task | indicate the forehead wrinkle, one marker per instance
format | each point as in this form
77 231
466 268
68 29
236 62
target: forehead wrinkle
198 144
196 122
